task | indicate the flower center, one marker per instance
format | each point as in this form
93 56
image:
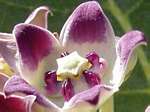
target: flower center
71 66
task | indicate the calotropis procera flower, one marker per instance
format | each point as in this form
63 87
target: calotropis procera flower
76 72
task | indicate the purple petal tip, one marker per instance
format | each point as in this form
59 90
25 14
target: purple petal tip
33 43
128 42
88 23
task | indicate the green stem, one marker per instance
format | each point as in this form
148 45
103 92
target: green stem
126 26
144 62
119 15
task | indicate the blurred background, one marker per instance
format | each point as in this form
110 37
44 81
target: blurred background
124 15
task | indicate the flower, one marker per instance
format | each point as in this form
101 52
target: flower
77 72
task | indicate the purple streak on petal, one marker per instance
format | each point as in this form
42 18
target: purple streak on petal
88 23
15 103
91 96
91 78
39 17
34 43
17 84
67 89
127 43
52 85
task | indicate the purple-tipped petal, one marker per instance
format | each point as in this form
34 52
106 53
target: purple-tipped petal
39 17
88 100
17 84
38 50
8 49
16 103
126 57
33 44
88 29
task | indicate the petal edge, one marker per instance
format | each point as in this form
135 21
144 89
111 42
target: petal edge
39 17
126 54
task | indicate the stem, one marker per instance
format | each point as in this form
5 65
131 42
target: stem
134 7
119 15
144 62
124 22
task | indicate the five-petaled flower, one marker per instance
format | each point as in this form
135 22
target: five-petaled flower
76 72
